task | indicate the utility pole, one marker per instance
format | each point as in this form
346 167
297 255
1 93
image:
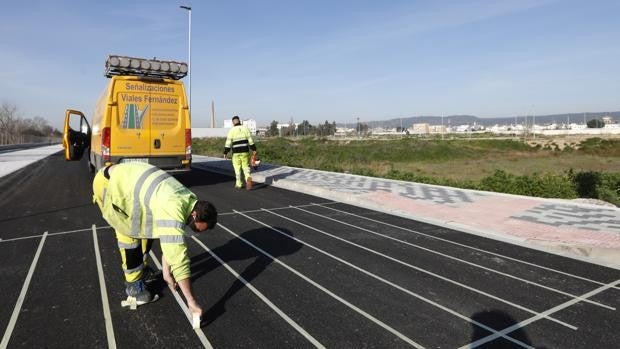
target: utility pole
212 114
533 123
442 126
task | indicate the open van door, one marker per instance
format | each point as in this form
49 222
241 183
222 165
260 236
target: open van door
76 135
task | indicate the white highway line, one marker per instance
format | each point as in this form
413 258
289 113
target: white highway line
536 318
466 262
247 284
109 329
374 276
22 295
201 335
465 245
325 290
425 271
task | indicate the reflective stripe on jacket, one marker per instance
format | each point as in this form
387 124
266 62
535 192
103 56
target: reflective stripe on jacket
239 140
143 201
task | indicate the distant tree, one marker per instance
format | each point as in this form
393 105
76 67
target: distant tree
305 128
326 129
9 123
596 123
361 127
273 129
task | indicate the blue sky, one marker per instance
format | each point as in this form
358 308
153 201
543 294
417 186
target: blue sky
323 60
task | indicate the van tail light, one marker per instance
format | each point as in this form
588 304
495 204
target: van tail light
188 143
105 143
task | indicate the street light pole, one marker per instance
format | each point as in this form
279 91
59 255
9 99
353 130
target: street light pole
189 55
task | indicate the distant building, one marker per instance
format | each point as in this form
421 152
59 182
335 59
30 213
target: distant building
608 120
437 129
420 128
249 123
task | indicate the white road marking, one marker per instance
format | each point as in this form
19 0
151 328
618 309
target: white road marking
22 295
374 276
201 335
465 245
538 317
109 329
424 271
50 234
468 263
273 208
286 318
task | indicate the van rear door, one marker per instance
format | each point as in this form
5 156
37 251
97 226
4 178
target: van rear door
167 120
130 131
150 119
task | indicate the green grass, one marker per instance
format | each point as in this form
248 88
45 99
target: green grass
497 165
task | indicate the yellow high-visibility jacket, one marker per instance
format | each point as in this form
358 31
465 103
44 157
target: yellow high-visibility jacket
239 139
143 201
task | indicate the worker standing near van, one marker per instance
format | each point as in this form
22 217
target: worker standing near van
240 141
142 203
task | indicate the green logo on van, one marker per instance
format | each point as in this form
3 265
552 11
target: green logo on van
133 116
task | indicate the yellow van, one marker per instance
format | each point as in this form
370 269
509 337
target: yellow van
141 116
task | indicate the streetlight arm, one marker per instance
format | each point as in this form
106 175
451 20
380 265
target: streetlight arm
186 7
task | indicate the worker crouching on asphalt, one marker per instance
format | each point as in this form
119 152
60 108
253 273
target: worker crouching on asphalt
142 203
240 141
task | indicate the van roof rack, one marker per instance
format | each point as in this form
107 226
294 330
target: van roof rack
123 65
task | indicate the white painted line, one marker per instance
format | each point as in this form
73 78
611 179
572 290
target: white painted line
465 245
50 234
468 263
247 284
109 329
274 208
538 317
22 295
374 276
201 335
425 271
325 290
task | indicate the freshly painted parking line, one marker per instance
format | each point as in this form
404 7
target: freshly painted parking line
423 270
109 329
22 295
325 290
199 332
49 234
536 318
265 300
470 263
323 205
387 282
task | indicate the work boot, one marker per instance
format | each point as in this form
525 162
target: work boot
139 291
150 275
248 183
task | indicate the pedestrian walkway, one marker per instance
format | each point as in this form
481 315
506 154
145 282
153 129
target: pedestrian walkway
574 229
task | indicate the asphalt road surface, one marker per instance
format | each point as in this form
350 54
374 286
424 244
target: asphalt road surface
286 270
